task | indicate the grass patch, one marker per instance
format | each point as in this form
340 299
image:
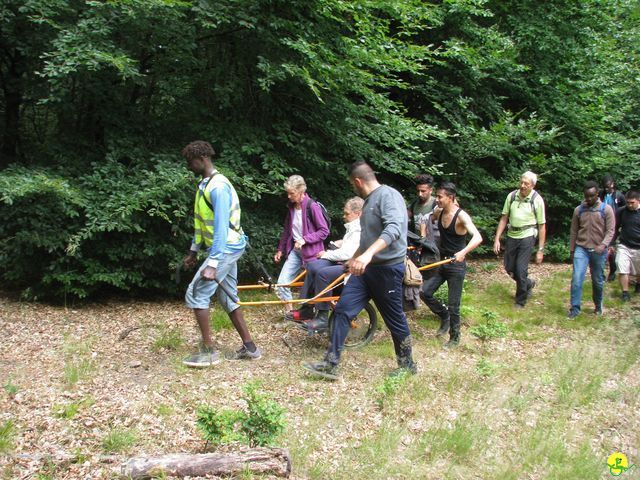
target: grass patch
7 436
79 364
579 376
169 338
10 388
457 442
119 440
485 368
220 321
387 389
70 410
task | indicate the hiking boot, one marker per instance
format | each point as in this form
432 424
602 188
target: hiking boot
532 284
611 277
206 357
444 327
452 343
243 353
626 297
598 312
518 306
454 339
319 324
299 315
573 314
322 369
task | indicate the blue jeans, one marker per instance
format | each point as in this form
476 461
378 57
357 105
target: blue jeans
582 258
290 270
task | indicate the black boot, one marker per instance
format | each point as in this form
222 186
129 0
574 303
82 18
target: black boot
454 338
319 324
404 356
444 326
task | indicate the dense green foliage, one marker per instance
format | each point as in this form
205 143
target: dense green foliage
259 424
99 98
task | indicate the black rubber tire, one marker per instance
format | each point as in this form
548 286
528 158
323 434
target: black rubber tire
366 325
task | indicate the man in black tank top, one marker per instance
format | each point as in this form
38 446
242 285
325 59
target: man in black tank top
454 224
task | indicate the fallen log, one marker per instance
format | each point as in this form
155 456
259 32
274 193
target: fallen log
273 461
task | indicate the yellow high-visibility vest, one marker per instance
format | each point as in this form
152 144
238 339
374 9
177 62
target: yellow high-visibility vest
203 216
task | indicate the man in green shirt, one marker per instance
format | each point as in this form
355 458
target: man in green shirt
523 211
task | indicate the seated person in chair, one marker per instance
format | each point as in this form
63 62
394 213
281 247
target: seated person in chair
328 267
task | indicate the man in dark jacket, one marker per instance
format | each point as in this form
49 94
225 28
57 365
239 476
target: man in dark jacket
592 230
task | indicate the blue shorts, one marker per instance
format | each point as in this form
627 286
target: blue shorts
226 273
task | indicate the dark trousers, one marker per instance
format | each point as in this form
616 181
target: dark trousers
453 274
516 263
383 284
320 274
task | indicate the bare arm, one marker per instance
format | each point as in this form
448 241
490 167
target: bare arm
476 238
542 238
502 224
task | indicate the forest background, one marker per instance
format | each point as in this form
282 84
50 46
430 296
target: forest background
99 97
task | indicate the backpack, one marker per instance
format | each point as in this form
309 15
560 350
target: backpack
412 276
531 200
582 209
325 214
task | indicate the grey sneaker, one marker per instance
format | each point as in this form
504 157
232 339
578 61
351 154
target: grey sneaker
206 357
244 354
322 369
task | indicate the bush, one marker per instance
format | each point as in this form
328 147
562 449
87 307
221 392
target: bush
96 232
490 328
258 425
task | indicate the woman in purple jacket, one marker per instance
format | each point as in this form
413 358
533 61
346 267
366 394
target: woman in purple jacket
305 228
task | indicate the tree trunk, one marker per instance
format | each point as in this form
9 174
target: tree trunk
273 461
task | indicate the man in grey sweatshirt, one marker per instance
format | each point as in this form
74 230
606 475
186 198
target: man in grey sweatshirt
377 271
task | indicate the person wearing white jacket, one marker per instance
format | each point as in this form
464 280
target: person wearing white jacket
328 267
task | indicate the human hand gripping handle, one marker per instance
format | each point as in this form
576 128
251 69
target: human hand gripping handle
358 264
190 259
208 274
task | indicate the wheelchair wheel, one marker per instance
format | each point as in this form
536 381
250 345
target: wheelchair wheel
363 327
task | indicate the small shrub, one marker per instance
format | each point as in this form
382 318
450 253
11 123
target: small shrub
7 434
491 328
265 418
557 250
389 387
218 426
259 425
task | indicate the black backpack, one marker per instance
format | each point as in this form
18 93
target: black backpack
325 214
